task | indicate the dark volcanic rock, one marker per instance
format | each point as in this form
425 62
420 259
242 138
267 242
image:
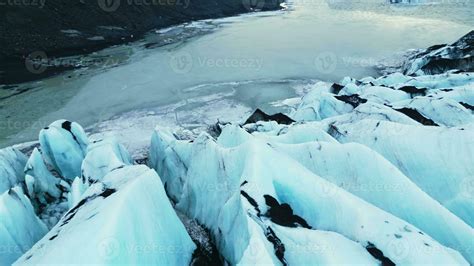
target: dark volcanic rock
336 88
378 254
63 28
413 91
415 115
354 99
282 214
441 58
467 106
259 115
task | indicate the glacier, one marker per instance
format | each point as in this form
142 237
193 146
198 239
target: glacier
41 185
370 171
376 171
12 162
400 144
20 228
228 190
64 145
439 58
109 227
103 156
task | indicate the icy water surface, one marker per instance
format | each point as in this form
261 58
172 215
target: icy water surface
251 60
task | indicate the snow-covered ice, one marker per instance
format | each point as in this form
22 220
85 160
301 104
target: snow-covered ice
372 171
397 145
104 156
20 228
233 190
124 219
12 163
78 187
64 145
438 160
438 58
368 175
41 185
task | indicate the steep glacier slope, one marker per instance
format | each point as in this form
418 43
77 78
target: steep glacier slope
438 160
368 175
422 125
443 111
20 228
246 193
124 219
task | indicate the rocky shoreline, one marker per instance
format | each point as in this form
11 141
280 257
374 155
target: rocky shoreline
56 28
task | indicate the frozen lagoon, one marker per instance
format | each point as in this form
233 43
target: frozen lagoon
251 60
